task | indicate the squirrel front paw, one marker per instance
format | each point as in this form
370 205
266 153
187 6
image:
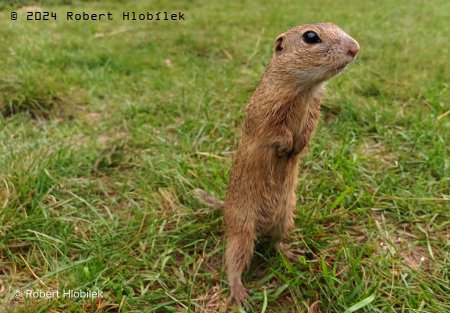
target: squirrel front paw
283 144
282 150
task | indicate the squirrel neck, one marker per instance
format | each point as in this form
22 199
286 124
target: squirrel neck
280 96
288 85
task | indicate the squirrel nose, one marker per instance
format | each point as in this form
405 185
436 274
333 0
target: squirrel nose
353 50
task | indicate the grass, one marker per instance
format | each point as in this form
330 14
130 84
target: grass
106 127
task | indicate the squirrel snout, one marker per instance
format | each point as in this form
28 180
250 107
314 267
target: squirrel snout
353 49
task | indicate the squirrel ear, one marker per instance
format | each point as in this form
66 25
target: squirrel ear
278 46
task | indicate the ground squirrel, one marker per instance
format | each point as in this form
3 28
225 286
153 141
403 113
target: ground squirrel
279 121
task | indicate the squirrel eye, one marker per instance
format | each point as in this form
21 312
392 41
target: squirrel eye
311 37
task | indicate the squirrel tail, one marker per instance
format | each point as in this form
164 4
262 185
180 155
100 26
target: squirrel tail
208 199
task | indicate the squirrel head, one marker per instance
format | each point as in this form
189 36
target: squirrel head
312 53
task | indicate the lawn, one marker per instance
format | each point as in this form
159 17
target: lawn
107 126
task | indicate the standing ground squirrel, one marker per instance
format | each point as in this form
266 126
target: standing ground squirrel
279 121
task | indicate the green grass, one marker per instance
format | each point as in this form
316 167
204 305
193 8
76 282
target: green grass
106 127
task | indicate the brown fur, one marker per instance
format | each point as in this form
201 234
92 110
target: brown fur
279 122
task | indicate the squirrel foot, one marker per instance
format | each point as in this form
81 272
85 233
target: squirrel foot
239 293
292 254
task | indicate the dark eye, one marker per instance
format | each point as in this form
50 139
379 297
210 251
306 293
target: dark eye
311 37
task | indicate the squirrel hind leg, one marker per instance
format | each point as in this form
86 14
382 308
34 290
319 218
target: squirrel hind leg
238 255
